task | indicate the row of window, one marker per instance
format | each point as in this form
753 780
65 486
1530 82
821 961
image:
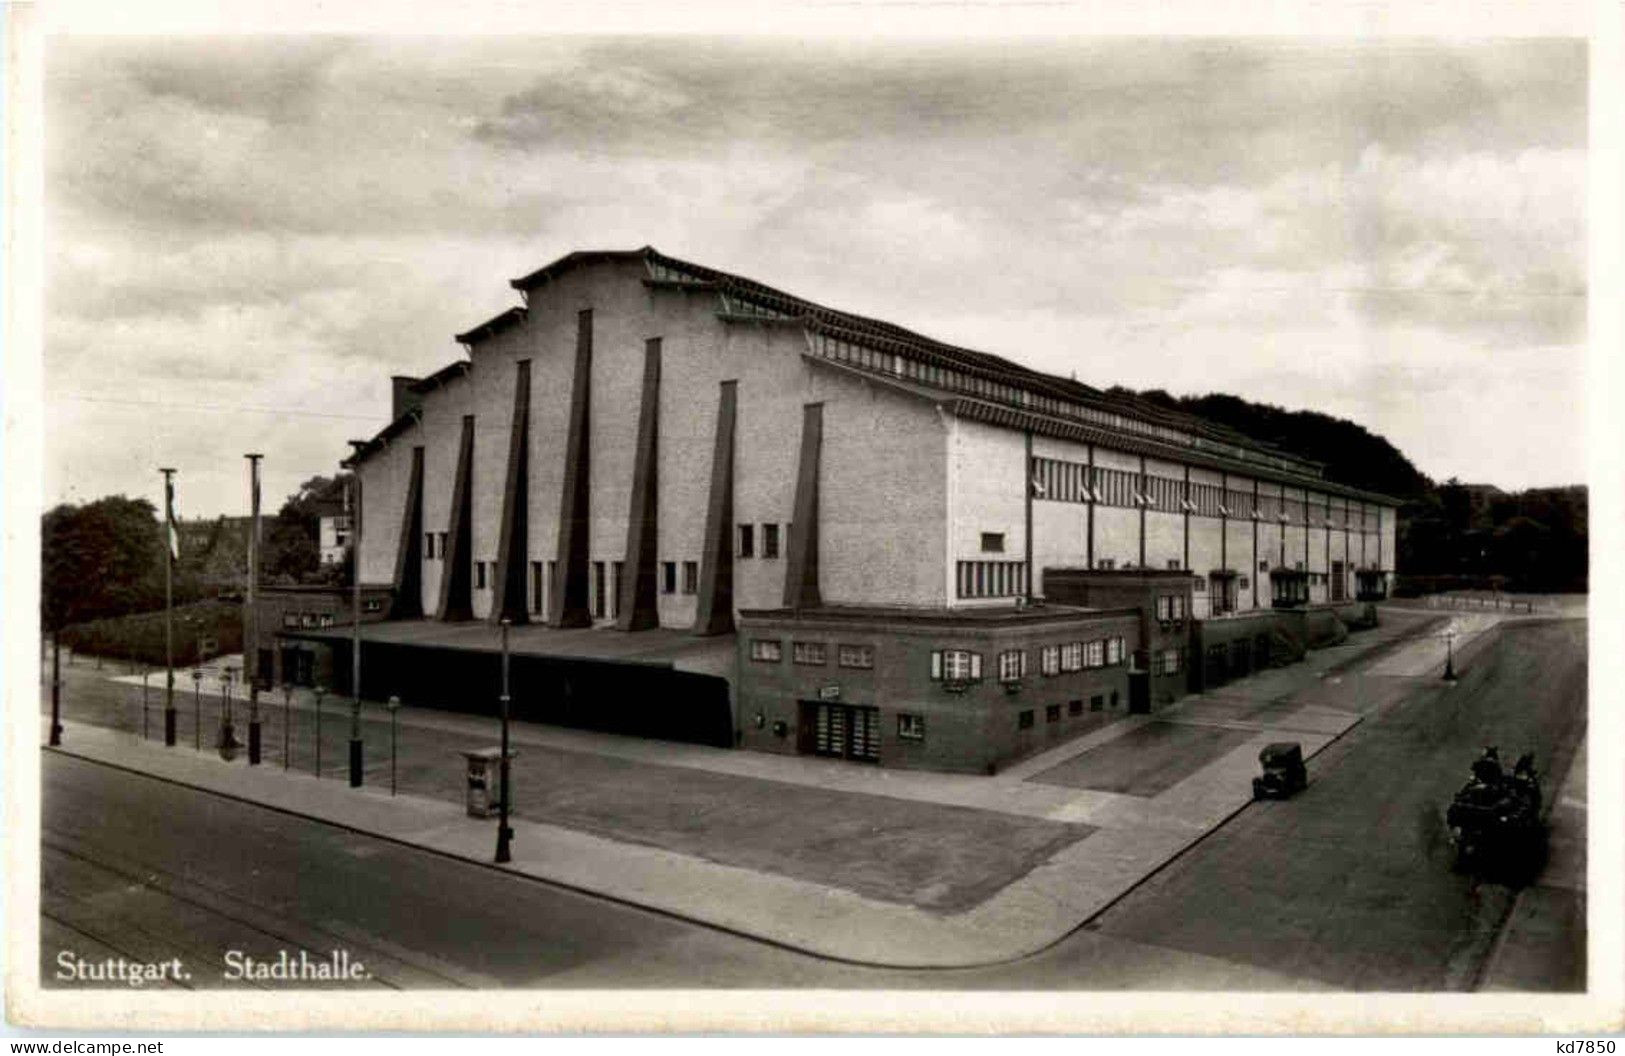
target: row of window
1059 480
1052 712
965 665
831 347
771 651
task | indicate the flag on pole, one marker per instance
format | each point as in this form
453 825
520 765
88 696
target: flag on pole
169 520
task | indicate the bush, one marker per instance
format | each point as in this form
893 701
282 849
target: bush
140 637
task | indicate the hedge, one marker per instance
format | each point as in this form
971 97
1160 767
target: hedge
140 637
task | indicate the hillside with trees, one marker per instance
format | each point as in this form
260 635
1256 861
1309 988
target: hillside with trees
1451 535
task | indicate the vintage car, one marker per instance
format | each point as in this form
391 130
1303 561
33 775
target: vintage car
1495 819
1284 772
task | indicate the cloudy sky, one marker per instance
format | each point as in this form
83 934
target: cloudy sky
246 237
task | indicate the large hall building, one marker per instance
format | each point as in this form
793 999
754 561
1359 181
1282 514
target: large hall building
714 511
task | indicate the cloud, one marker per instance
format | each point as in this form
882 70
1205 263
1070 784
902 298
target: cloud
1310 223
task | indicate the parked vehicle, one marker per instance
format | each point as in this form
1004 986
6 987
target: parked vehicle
1495 818
1284 772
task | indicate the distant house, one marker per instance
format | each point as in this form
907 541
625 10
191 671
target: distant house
333 526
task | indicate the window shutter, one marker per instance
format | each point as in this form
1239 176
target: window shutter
976 667
936 665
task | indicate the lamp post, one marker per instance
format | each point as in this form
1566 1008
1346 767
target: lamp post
321 691
228 737
253 612
1449 656
394 706
56 689
504 833
287 727
197 709
169 606
143 705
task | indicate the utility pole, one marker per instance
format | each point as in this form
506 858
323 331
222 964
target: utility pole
171 551
251 649
352 487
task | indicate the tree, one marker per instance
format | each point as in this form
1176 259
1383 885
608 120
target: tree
105 558
292 548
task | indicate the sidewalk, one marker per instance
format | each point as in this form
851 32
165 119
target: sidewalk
899 868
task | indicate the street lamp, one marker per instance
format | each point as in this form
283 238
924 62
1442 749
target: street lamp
394 706
197 709
228 737
1449 656
144 705
504 833
56 689
253 610
287 712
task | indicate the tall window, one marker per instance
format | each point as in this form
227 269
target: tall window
1049 660
747 540
440 551
691 577
1114 650
1072 656
668 577
479 575
535 586
616 571
956 665
428 546
770 540
1012 665
1094 653
598 589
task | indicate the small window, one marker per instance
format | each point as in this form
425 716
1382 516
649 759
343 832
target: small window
1200 586
747 540
1106 564
811 653
910 727
372 605
691 577
1242 583
1263 566
770 540
992 542
1024 721
1049 660
767 650
1174 565
1075 707
1052 713
857 656
1168 661
1012 665
479 575
1072 656
668 577
1098 702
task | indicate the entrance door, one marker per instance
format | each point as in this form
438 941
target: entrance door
1338 586
844 731
1139 692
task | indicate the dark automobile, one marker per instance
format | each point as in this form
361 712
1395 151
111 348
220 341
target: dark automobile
1495 818
1284 772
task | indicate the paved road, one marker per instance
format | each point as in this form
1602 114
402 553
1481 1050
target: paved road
1347 886
1350 883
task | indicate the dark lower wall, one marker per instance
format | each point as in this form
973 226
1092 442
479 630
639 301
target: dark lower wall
634 700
